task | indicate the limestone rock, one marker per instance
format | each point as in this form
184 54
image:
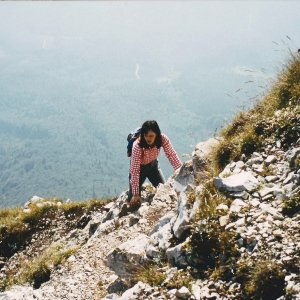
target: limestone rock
222 207
152 251
117 286
292 156
184 177
237 205
32 200
95 222
270 159
224 220
18 293
163 221
181 224
127 256
105 228
238 182
176 255
135 292
200 157
183 293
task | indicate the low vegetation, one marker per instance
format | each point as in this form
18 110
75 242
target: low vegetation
37 270
213 250
149 273
180 278
210 246
262 279
18 225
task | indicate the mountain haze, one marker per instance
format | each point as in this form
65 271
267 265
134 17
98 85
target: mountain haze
72 88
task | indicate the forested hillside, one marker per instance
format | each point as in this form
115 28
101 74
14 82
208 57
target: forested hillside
65 135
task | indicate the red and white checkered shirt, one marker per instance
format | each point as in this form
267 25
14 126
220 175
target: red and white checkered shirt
142 156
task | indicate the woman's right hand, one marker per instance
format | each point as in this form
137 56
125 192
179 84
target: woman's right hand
134 200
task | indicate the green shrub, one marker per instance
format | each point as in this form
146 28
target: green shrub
72 210
210 246
10 221
223 154
37 215
236 126
39 269
210 197
250 143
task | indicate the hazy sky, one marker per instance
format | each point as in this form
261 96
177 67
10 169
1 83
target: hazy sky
214 47
218 43
161 31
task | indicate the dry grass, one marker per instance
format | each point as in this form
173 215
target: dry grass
263 279
16 220
149 273
249 131
18 225
179 279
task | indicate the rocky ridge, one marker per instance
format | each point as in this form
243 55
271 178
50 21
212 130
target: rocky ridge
116 243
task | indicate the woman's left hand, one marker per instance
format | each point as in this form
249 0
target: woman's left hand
135 200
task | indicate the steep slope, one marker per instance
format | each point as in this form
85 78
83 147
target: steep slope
225 227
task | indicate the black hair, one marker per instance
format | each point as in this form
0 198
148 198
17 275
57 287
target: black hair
146 127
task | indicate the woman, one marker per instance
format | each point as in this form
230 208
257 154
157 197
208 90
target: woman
144 164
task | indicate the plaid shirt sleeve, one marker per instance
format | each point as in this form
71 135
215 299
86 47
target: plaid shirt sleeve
170 152
135 168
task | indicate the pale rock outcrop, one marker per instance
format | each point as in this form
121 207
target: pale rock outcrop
200 158
124 259
18 293
292 156
125 240
182 222
184 177
177 256
136 292
33 200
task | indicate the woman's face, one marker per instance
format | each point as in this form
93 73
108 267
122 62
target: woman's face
150 137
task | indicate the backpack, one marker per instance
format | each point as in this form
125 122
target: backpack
132 136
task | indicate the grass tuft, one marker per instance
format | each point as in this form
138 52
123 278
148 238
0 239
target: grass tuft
149 273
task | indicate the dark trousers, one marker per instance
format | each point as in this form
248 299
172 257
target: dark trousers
150 171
